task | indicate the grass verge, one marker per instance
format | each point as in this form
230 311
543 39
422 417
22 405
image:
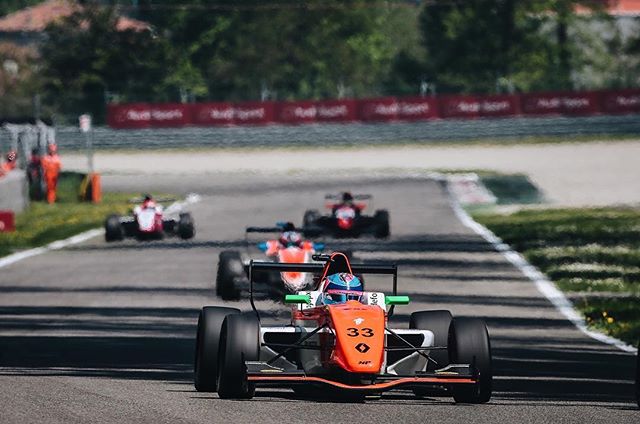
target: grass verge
591 254
43 223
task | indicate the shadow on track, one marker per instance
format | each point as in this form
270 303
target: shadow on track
158 343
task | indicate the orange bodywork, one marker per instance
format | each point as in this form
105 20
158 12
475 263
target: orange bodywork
291 256
359 331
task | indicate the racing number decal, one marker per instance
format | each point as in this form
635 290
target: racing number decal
354 332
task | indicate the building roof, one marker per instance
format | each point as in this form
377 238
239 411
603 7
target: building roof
36 18
618 7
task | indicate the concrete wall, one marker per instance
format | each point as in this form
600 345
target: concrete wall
14 191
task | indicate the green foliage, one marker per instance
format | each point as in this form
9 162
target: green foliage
619 317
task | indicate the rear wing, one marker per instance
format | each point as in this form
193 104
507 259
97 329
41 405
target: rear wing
263 230
318 268
306 231
355 197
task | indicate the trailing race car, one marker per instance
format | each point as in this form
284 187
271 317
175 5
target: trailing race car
339 338
289 247
346 218
148 221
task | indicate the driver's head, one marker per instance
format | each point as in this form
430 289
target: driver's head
347 197
290 239
343 282
11 156
52 148
288 226
147 197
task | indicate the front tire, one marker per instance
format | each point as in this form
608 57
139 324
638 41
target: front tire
438 322
186 226
207 346
239 342
113 230
469 344
381 222
230 271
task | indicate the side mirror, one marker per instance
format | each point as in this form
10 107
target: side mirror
397 300
290 299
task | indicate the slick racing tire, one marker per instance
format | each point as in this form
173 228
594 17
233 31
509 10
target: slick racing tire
469 344
239 342
205 372
113 230
381 222
230 271
310 218
438 322
186 226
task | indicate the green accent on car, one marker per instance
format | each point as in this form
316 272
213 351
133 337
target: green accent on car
297 298
397 300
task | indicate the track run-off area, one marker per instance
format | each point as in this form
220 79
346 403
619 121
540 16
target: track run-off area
99 332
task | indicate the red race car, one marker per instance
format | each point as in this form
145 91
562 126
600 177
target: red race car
149 221
339 339
346 218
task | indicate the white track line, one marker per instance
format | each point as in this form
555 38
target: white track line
79 238
543 284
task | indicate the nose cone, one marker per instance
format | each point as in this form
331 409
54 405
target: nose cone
359 336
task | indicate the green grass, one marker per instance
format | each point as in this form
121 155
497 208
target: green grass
590 253
43 223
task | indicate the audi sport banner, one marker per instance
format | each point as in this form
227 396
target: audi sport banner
476 106
337 110
381 109
170 115
623 101
296 112
384 109
587 103
131 115
206 114
417 108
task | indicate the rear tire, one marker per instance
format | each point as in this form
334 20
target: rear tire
469 344
239 342
310 218
381 220
186 226
230 271
205 373
113 230
438 322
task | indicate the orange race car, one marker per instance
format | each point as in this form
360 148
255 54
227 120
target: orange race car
289 247
339 338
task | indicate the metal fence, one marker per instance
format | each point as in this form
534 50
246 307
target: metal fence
322 135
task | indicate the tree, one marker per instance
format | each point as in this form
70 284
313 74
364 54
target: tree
85 56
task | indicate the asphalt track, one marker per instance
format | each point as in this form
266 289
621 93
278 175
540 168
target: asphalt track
105 332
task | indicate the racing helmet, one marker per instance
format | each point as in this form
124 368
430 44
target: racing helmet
146 197
290 239
343 282
52 148
11 156
347 197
